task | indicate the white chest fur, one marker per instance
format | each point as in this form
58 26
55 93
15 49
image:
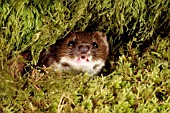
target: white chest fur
74 67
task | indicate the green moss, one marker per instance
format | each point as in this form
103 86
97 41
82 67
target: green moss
136 77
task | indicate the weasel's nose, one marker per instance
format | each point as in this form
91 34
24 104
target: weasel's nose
84 49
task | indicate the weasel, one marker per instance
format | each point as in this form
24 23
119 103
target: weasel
78 52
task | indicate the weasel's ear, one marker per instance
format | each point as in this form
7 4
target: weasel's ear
70 34
100 34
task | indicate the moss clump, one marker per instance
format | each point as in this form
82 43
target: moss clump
135 78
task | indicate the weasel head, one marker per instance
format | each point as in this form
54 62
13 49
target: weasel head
83 52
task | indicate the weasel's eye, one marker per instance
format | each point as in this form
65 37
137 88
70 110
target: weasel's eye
71 43
95 45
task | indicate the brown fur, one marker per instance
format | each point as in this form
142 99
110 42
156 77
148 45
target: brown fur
61 48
